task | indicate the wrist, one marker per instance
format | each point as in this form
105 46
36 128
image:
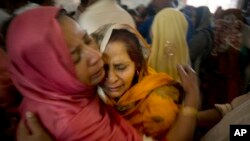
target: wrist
189 111
192 101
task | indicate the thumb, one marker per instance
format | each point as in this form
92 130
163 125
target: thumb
182 72
33 123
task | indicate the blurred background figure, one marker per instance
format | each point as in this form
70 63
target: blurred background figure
70 6
153 8
201 39
100 12
169 45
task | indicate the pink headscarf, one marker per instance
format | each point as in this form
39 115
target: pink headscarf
42 70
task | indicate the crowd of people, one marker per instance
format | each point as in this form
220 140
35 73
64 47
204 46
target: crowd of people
96 70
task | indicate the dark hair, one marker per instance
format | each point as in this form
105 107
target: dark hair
4 28
86 3
133 47
62 12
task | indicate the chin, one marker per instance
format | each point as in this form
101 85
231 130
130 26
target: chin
98 80
115 95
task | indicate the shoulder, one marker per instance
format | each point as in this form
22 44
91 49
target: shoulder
167 91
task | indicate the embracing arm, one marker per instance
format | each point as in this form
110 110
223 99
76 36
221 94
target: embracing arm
208 118
33 130
184 127
110 127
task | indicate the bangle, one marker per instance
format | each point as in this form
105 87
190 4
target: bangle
223 108
189 111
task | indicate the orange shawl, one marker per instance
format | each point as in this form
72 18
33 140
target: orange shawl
150 104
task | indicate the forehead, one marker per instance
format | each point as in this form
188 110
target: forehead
71 30
69 25
116 50
115 47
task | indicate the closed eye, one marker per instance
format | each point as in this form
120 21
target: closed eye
76 55
120 67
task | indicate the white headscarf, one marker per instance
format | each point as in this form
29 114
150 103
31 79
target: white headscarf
102 36
68 5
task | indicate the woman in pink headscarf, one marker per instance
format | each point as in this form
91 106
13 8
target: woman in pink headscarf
55 65
57 71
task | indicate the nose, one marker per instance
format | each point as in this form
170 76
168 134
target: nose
111 76
94 56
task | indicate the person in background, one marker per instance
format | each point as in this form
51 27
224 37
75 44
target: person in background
218 13
169 45
219 119
203 33
142 13
227 61
153 8
9 8
70 6
101 12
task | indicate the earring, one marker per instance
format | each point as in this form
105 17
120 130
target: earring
137 72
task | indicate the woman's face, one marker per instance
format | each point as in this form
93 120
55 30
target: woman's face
84 52
120 69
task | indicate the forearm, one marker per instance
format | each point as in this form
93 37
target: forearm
208 118
184 127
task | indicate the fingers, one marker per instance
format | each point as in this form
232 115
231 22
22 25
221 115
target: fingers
181 72
186 71
33 123
189 69
188 78
189 82
32 130
22 131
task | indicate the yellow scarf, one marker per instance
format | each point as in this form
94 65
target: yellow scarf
169 45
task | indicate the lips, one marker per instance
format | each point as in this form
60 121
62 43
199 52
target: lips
113 89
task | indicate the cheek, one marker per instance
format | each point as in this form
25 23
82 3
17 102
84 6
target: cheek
82 73
94 46
128 77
